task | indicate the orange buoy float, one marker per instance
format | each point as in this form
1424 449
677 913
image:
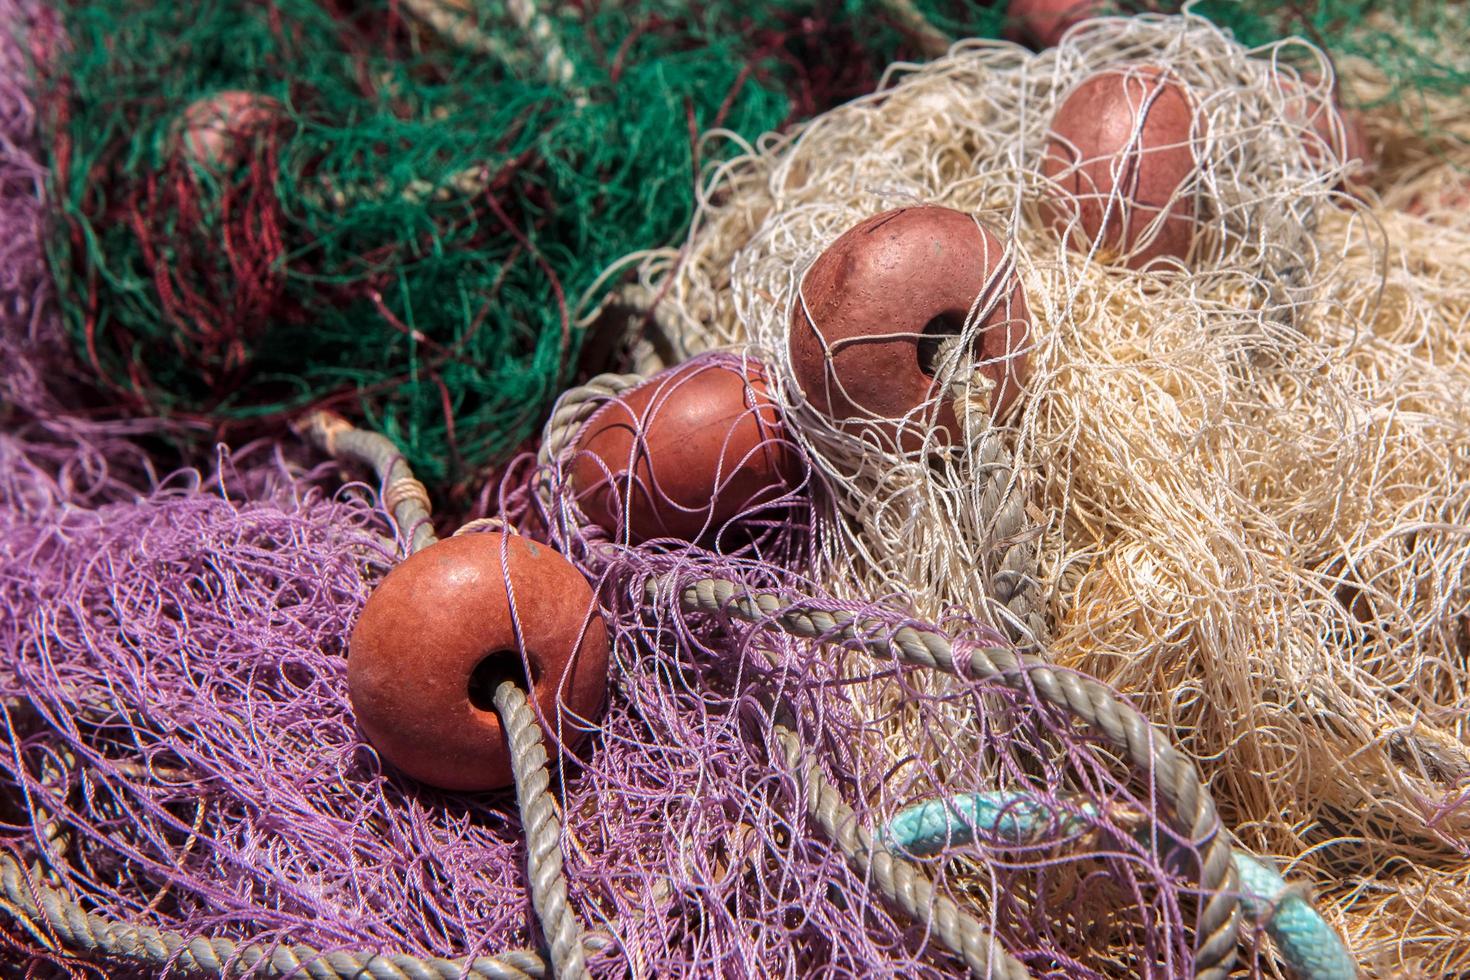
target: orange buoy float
1119 157
876 305
1041 23
438 635
682 454
1335 134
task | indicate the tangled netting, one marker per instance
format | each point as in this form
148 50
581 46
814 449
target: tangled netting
181 752
1246 474
418 228
415 197
1417 49
29 333
1247 487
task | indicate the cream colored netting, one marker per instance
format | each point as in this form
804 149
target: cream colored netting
1250 476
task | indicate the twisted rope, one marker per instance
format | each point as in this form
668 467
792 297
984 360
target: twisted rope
1011 562
1308 945
404 496
1148 749
408 501
911 22
1012 572
543 832
559 68
574 407
568 415
48 914
1087 699
895 879
1012 575
459 30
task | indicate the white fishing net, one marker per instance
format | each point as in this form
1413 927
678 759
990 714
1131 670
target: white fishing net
1248 474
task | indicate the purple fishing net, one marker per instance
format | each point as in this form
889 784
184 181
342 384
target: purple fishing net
180 750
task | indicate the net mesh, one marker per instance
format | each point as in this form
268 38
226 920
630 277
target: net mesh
180 749
408 229
1250 487
1246 472
180 733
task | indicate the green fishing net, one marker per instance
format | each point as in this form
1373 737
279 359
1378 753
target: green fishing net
411 236
1418 46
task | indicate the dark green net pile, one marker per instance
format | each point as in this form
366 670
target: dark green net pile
1420 46
345 261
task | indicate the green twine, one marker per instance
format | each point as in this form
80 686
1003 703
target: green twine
445 319
339 265
1420 46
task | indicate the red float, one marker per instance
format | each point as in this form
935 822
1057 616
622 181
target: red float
876 305
1337 133
437 636
1041 23
684 452
1119 155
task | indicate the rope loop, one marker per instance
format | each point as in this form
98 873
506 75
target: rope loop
406 490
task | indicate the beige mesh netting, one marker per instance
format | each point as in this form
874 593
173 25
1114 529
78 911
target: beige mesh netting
1247 475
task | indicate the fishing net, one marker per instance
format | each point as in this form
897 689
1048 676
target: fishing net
234 796
418 211
181 755
30 334
395 208
1245 477
1238 492
1416 49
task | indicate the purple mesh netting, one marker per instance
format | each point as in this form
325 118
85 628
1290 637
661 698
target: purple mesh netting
177 709
180 749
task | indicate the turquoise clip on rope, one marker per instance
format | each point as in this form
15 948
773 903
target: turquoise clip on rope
1308 945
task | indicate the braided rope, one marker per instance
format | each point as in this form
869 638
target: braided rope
1013 558
911 22
559 68
408 500
50 914
459 30
528 763
568 415
404 496
1087 699
44 911
574 407
897 880
1149 749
